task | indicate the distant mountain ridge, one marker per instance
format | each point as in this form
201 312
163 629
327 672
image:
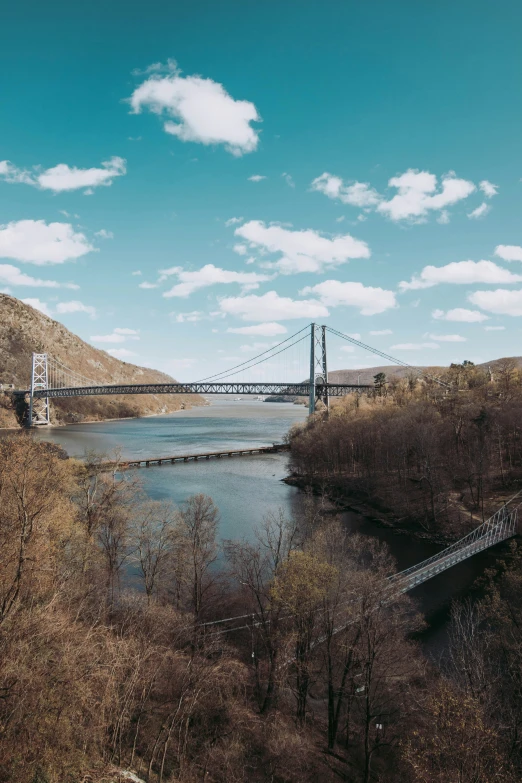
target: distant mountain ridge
24 330
367 374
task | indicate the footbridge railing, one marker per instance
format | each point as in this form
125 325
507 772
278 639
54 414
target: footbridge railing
502 525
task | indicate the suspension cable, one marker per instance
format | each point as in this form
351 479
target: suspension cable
269 350
388 357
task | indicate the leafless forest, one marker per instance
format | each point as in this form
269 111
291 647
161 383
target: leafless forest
432 458
112 659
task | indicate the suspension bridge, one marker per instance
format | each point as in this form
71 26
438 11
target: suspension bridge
303 354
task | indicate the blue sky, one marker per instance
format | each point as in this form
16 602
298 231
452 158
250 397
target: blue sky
384 141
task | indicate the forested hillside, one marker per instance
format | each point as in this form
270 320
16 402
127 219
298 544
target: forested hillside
115 664
437 458
24 330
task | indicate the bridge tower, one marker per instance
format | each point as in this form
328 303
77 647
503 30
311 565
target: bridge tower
39 406
318 367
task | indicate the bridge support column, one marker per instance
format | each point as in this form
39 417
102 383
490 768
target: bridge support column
39 406
318 367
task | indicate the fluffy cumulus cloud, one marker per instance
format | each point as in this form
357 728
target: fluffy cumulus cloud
42 243
211 275
13 276
509 252
500 302
272 307
300 251
460 314
358 194
419 193
368 300
270 329
256 178
63 177
75 307
488 188
461 272
118 335
198 109
480 212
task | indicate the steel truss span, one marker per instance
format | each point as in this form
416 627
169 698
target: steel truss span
290 389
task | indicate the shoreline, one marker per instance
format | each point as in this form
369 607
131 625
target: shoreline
59 425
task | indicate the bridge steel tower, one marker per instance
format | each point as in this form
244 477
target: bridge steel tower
318 367
39 406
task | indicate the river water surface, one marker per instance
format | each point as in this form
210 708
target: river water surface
245 489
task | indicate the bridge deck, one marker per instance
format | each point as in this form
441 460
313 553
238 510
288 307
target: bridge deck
265 389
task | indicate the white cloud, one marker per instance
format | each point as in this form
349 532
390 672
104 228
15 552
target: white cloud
145 284
270 329
501 301
448 338
212 275
75 307
192 317
355 336
256 178
369 300
459 314
103 234
202 109
63 177
301 251
288 179
488 188
413 346
271 306
12 275
347 348
417 195
233 221
121 353
479 212
494 328
38 305
119 335
241 250
509 252
358 194
461 272
136 273
381 331
42 243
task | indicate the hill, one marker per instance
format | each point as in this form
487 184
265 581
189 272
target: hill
367 374
24 330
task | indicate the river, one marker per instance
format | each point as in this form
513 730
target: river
245 489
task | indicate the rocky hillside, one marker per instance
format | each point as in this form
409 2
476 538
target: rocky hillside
24 330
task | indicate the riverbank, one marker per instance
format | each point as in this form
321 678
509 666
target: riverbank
375 510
